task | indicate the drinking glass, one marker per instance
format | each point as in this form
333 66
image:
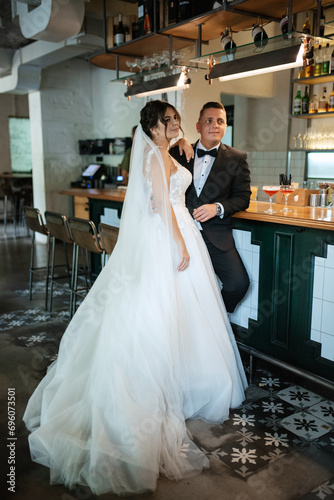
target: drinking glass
253 195
331 185
270 191
286 190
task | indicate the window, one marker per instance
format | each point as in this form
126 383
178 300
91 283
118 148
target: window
320 165
20 144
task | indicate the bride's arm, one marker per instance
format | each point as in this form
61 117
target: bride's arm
159 197
185 147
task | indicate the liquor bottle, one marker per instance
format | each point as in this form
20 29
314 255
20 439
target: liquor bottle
314 104
309 58
173 12
147 22
307 25
259 36
184 9
326 60
305 101
318 62
297 104
141 15
120 32
331 101
323 102
322 23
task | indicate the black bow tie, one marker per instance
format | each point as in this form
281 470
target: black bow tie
201 152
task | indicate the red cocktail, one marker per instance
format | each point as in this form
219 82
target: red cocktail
286 190
270 191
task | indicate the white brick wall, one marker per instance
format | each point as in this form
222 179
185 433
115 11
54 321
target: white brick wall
250 255
322 328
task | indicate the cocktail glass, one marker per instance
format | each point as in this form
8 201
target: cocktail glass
331 185
270 191
286 190
253 195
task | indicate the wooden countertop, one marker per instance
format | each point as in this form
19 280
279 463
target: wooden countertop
97 194
318 218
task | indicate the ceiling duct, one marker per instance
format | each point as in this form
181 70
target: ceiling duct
51 20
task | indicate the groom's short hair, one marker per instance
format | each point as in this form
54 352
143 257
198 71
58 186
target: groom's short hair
211 104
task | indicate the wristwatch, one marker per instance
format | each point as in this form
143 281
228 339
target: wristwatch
219 209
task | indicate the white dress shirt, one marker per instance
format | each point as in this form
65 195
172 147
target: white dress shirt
202 167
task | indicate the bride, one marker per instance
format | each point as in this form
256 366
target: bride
149 347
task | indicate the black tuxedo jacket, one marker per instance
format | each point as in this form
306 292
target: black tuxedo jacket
228 183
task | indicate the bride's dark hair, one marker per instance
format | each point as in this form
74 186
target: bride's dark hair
153 112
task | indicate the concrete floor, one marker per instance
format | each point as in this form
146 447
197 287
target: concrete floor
253 456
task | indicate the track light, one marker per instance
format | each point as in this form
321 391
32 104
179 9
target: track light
160 85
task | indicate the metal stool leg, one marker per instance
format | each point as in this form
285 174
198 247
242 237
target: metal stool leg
47 274
32 257
74 285
5 209
52 270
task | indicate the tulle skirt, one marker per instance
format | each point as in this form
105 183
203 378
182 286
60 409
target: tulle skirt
136 361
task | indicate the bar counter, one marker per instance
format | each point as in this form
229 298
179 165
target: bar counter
287 312
318 218
97 194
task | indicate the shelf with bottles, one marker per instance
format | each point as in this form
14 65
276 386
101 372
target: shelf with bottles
213 21
238 16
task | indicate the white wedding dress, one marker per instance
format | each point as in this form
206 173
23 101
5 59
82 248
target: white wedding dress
135 362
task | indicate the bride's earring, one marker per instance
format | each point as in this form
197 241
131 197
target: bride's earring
156 139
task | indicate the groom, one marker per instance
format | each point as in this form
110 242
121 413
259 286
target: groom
220 187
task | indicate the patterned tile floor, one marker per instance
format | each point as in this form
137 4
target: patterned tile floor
278 418
274 421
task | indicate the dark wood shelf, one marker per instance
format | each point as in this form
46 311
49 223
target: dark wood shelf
313 80
311 116
109 61
146 45
303 150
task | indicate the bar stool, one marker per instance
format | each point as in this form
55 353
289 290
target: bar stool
108 239
84 235
34 221
59 230
16 199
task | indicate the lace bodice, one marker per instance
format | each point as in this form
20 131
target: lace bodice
178 185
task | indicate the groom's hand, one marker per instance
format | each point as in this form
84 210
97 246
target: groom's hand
205 212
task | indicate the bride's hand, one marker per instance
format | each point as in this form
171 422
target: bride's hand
186 148
184 256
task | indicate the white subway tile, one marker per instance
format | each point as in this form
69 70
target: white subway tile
315 335
244 315
329 262
327 346
327 323
254 295
328 285
318 283
316 314
255 267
